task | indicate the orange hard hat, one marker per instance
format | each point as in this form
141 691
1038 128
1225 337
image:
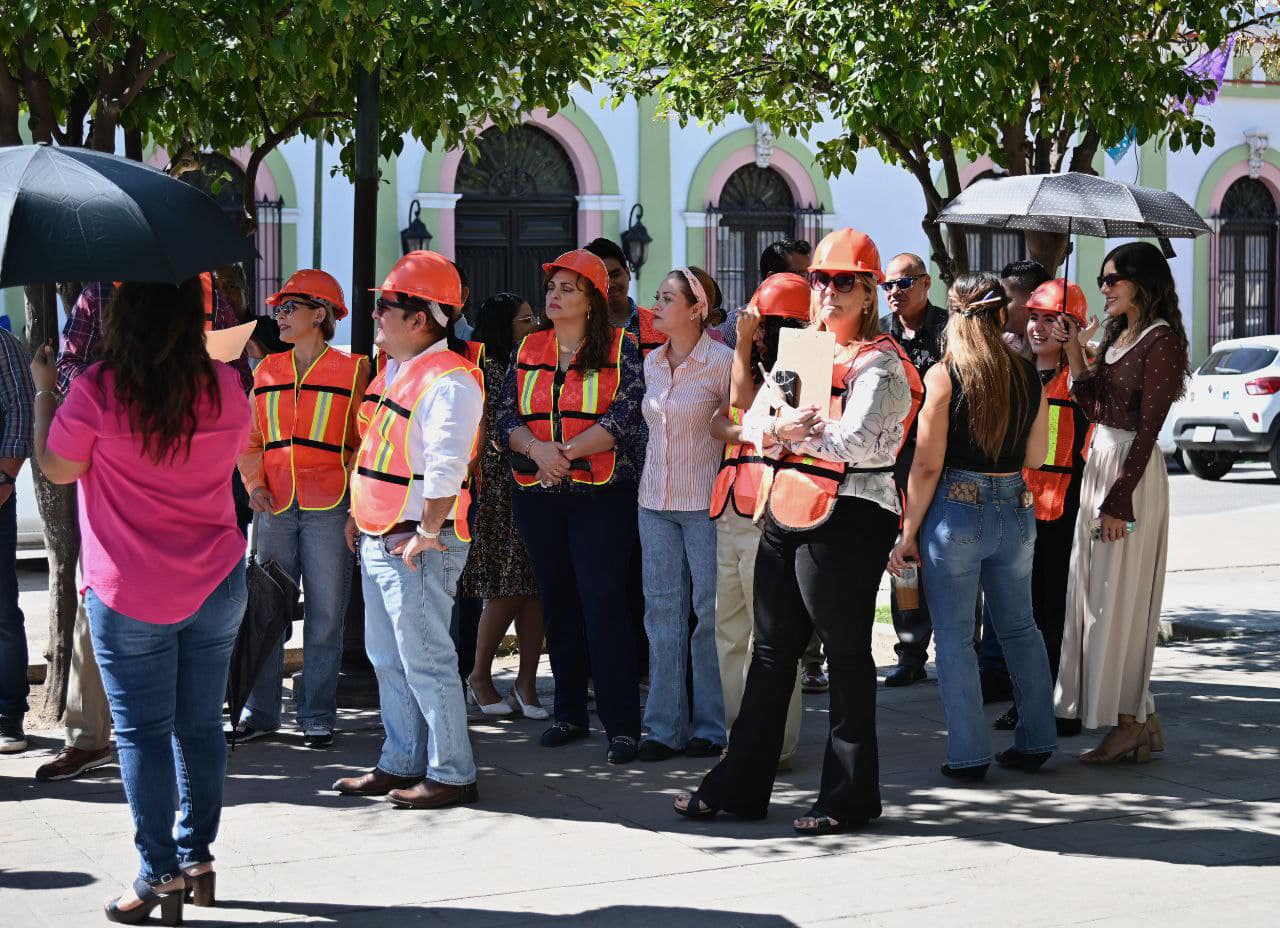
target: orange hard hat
583 262
1048 298
426 275
314 285
784 294
847 250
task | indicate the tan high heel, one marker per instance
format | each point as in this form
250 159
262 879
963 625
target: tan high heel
1140 752
1156 732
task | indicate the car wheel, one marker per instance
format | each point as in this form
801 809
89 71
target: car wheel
1208 465
1273 458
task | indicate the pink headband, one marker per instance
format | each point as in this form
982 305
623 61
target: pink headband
699 294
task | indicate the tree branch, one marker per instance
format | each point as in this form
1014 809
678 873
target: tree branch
143 77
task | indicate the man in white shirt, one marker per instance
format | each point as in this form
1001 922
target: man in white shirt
419 425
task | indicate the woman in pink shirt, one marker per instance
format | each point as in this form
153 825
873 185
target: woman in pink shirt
151 434
686 384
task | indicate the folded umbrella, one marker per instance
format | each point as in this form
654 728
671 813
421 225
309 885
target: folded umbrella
75 214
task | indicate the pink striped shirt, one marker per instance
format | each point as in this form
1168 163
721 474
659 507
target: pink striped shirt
681 461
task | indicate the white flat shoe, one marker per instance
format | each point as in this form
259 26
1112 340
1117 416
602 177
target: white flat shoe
498 708
537 713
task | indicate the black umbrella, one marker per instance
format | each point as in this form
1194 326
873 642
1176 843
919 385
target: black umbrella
272 609
75 214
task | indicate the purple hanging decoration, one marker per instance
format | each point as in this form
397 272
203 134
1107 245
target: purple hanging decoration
1213 66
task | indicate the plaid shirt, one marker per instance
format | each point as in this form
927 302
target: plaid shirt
16 395
83 331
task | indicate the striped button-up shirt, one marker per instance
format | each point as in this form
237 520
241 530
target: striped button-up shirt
682 458
16 394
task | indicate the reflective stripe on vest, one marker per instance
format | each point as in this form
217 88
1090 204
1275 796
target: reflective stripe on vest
802 492
206 298
563 415
381 485
1049 483
304 427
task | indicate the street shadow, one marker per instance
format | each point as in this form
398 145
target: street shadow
614 916
44 879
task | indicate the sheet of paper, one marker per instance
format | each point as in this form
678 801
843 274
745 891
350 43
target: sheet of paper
228 344
811 354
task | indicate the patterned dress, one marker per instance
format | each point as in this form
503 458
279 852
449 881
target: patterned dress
498 564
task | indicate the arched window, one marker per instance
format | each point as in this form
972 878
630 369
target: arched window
1246 286
756 208
518 210
991 249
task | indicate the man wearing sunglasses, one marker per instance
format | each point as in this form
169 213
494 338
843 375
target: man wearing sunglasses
918 326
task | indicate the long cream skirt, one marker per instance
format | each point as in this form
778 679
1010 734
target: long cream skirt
1114 593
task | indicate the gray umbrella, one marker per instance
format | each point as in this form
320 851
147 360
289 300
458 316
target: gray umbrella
1074 203
75 214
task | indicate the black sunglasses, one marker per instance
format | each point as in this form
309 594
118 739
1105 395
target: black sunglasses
289 307
1109 280
843 283
383 304
900 283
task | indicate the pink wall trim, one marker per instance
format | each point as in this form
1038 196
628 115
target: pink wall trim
581 156
265 188
981 166
1270 176
792 171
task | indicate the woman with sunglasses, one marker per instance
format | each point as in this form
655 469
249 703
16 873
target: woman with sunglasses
296 468
831 518
1121 535
498 569
570 417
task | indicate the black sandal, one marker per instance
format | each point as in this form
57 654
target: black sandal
824 825
704 812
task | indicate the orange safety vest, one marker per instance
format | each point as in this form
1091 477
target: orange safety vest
650 337
581 401
1049 483
206 296
802 492
380 486
304 426
738 481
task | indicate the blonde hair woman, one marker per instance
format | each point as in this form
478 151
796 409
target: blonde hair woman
831 518
984 419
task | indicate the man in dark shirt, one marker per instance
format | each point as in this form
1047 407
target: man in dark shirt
919 327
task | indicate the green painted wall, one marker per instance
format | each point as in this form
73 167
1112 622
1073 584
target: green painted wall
1088 256
655 195
387 252
1200 272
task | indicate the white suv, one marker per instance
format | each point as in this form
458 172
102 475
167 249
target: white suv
1232 407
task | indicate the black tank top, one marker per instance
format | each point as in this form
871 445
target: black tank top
963 450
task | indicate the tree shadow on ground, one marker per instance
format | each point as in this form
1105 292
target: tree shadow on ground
614 916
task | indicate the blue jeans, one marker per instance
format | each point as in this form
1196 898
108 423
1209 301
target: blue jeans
680 547
308 545
406 633
13 635
166 685
977 529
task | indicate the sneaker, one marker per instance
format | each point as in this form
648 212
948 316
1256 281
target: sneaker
561 733
12 738
71 762
245 732
316 736
622 750
651 750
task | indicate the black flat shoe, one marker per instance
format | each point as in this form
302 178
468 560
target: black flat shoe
651 750
1068 728
702 747
1008 721
317 738
696 809
968 774
1019 760
905 675
622 750
561 733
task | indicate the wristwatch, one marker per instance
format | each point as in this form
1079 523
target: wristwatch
423 533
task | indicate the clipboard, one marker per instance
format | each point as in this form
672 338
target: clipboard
227 345
812 355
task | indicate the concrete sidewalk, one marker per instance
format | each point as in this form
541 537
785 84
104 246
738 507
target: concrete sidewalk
560 838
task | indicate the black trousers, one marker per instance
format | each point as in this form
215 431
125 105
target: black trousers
580 545
1050 571
825 579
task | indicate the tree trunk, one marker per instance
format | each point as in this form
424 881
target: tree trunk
1049 248
57 505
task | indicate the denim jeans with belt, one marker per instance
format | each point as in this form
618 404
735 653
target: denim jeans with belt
406 634
982 528
679 556
13 635
308 545
166 685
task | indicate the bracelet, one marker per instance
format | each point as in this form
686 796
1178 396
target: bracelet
533 440
57 397
423 533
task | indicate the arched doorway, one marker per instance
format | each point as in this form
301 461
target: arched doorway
1246 286
518 209
756 208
